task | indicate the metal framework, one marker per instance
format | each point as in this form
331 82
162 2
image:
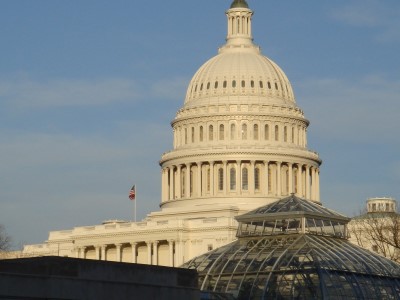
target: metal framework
296 264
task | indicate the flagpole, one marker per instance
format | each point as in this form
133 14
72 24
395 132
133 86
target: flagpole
135 202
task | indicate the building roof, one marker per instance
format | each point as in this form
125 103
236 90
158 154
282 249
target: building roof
296 249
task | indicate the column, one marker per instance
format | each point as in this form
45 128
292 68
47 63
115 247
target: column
290 183
299 180
266 179
178 183
149 248
198 188
171 183
308 182
251 180
97 248
83 252
103 251
171 252
224 163
278 179
212 178
313 182
155 253
118 252
238 186
318 188
134 253
187 183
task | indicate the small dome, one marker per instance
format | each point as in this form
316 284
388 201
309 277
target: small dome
239 3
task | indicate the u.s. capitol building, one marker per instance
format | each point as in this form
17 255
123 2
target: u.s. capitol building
240 142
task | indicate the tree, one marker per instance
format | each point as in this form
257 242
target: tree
5 240
379 232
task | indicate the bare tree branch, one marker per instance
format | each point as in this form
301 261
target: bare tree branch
5 240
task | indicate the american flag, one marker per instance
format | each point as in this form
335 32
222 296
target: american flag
132 193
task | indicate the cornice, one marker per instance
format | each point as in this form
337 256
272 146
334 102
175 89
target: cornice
196 155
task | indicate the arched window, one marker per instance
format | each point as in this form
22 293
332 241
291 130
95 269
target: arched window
186 136
293 135
216 85
220 179
269 180
233 131
276 86
295 172
208 179
192 134
201 133
266 132
210 133
232 175
208 85
201 87
255 131
195 89
245 179
269 85
221 132
243 84
285 134
276 133
244 131
233 83
224 84
252 83
261 84
257 179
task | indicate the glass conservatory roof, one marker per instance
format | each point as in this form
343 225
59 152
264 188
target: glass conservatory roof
299 261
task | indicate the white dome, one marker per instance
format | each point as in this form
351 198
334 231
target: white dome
236 72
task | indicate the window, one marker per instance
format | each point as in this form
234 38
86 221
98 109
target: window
220 179
261 84
266 132
252 83
269 85
233 131
192 134
245 179
232 175
234 83
208 85
210 132
224 84
201 133
276 133
209 247
293 135
255 131
285 134
216 85
269 179
276 86
243 84
221 132
208 179
195 89
186 136
257 179
201 87
244 131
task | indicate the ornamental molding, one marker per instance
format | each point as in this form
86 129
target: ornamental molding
216 156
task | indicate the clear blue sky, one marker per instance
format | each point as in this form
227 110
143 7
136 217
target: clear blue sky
88 88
